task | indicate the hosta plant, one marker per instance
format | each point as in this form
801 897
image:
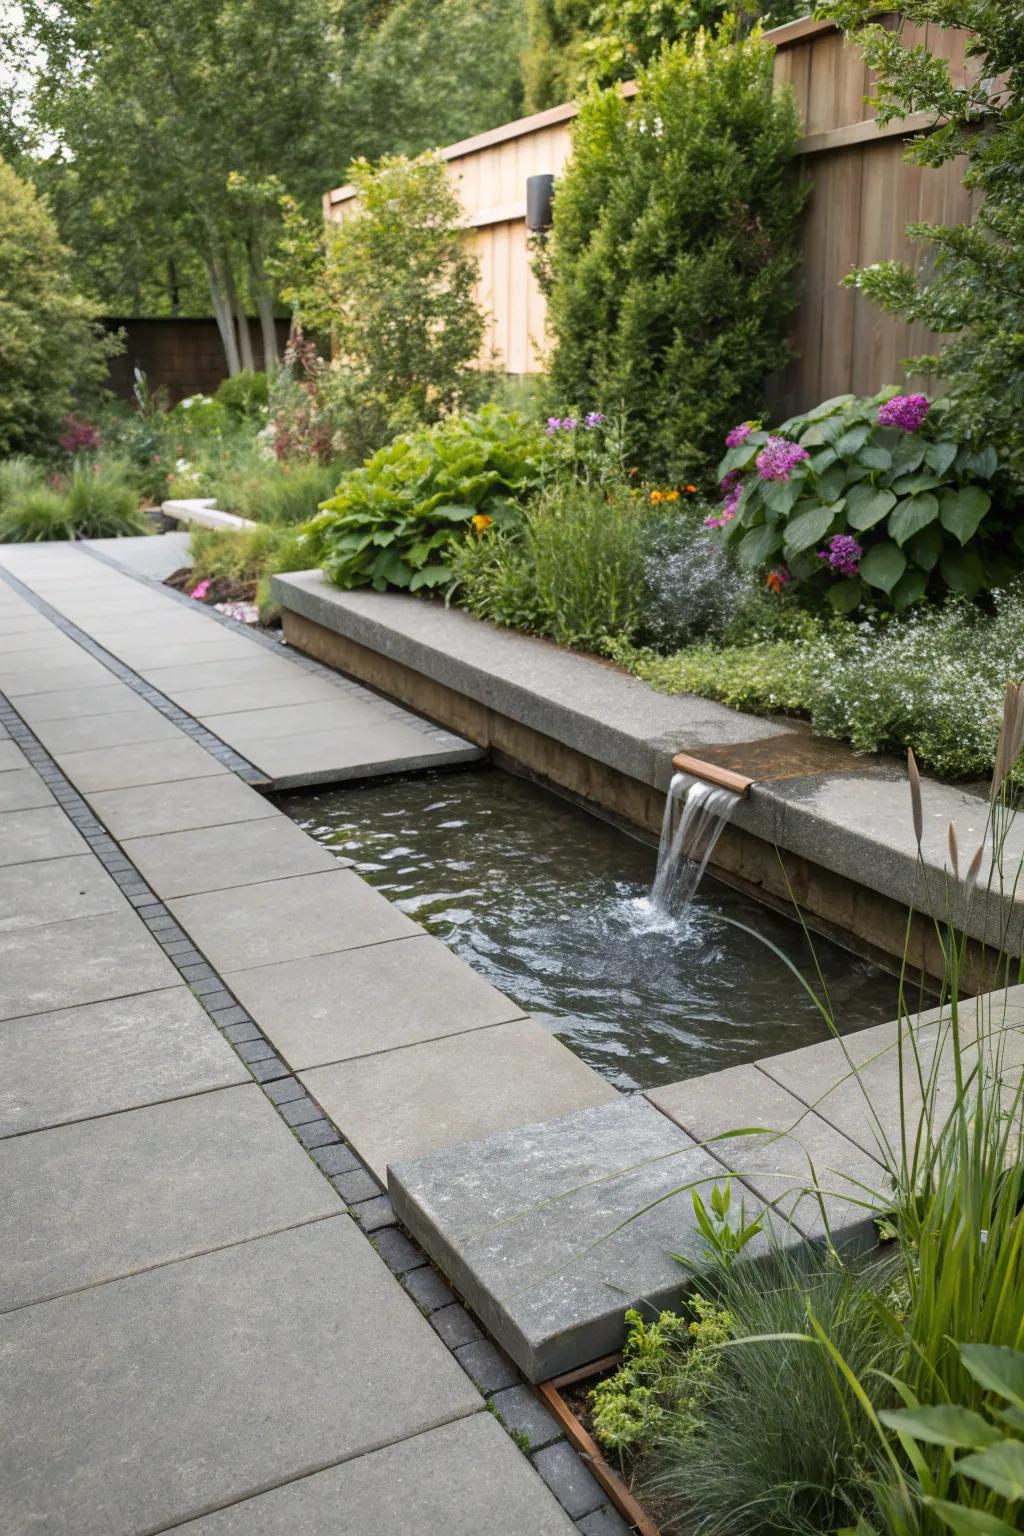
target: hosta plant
867 501
394 521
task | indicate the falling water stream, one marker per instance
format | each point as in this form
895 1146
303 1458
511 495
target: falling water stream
556 909
695 818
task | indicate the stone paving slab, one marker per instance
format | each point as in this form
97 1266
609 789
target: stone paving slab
158 556
84 961
464 1479
328 1008
807 1162
105 1198
110 698
145 763
262 1342
46 833
299 687
401 1104
47 637
104 1057
21 620
251 671
54 891
551 1231
181 806
33 680
21 789
291 719
129 728
332 756
216 858
288 919
149 651
11 757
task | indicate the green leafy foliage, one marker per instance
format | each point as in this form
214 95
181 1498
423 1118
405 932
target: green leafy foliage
274 490
250 557
671 266
970 288
92 502
394 521
52 348
394 284
245 395
919 508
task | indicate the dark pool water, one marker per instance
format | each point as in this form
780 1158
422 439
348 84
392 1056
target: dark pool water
551 905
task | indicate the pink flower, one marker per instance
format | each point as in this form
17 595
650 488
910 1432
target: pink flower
200 590
904 411
739 434
778 459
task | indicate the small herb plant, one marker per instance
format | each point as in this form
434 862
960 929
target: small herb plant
866 501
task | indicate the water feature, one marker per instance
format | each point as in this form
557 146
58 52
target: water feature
554 907
695 818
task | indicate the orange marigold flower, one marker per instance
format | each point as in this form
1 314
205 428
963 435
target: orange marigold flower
775 581
480 521
671 496
691 490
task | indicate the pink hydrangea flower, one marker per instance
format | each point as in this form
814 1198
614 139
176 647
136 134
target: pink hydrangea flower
739 434
843 554
778 459
904 411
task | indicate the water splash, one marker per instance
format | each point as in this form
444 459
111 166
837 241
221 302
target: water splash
695 816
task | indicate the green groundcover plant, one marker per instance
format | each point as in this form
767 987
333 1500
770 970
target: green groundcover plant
93 501
868 502
395 521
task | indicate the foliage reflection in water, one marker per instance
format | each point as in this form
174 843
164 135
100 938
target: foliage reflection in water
551 905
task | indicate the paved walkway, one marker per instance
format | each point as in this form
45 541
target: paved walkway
194 1328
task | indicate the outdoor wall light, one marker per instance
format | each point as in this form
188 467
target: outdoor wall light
540 192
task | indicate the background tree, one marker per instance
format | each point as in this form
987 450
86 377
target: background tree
972 287
51 346
672 264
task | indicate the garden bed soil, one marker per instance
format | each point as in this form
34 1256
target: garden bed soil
220 590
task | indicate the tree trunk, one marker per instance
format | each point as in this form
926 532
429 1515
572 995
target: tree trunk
173 286
223 314
263 300
241 320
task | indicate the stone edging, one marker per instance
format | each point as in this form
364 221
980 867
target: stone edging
204 512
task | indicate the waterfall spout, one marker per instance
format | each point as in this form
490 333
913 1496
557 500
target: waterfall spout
695 815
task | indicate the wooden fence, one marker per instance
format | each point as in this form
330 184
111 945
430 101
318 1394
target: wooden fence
863 197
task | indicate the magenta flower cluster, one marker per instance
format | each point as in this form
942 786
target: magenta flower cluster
732 489
843 554
79 436
905 411
569 423
739 434
778 459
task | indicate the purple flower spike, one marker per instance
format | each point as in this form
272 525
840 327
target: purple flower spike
778 459
554 422
592 419
904 411
569 424
739 434
843 554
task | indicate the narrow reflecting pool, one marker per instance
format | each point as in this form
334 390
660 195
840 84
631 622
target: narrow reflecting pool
551 905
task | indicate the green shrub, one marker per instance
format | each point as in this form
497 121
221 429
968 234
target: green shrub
671 266
394 521
18 476
394 285
868 501
245 395
275 490
93 502
764 678
250 557
37 516
54 348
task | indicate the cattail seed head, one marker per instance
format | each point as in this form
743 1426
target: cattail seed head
916 806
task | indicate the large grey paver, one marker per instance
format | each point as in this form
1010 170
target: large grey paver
256 670
48 650
11 757
400 1104
54 891
23 682
328 1008
363 751
291 719
128 728
44 833
287 919
157 556
47 638
155 762
300 687
181 806
137 1405
109 698
463 1479
807 1168
219 645
104 1198
21 789
83 961
551 1231
102 1057
21 621
216 858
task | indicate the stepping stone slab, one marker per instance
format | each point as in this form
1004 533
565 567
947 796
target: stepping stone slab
137 1405
106 1198
82 703
183 806
83 961
807 1161
103 731
102 1057
183 863
291 719
551 1231
329 1008
21 789
401 1104
146 763
299 687
27 836
463 1479
31 894
325 757
287 919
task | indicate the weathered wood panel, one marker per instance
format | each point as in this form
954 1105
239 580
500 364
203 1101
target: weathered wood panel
863 196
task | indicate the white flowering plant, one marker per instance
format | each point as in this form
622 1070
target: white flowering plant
867 502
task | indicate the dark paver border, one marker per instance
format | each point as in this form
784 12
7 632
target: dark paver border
495 1376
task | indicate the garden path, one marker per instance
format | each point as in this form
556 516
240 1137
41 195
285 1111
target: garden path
194 1329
